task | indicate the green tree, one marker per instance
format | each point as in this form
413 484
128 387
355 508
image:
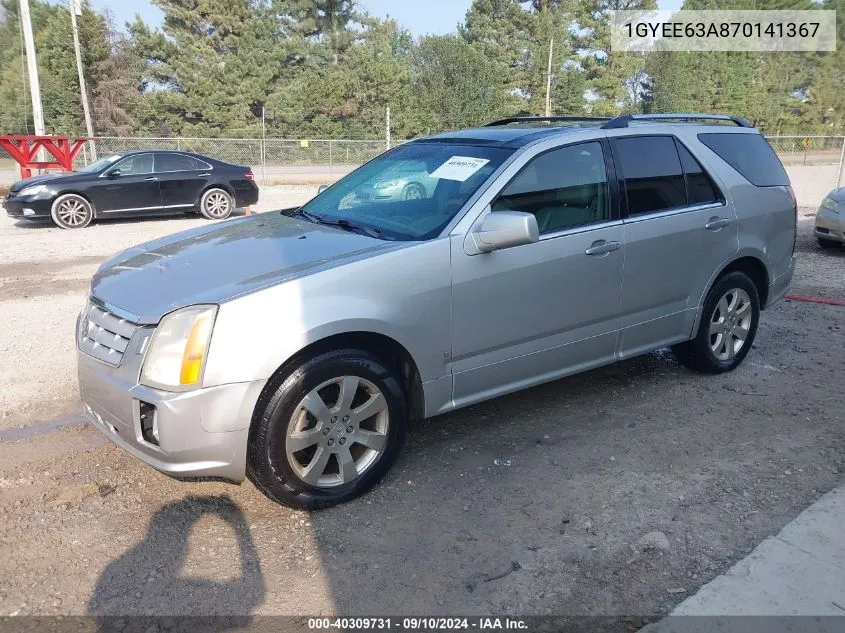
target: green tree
454 85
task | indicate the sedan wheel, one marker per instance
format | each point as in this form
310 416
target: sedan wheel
327 430
216 204
71 211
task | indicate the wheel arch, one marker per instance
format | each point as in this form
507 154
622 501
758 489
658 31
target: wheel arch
216 185
751 266
386 349
75 192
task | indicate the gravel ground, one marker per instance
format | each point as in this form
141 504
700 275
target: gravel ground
618 491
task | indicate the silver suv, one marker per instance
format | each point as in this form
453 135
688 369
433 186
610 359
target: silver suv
295 347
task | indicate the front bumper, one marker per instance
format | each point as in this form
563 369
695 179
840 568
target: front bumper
831 225
27 207
201 433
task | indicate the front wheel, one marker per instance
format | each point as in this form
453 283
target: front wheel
328 432
216 204
727 328
71 211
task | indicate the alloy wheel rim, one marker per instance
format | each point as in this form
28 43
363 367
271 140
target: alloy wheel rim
216 204
337 432
730 324
72 212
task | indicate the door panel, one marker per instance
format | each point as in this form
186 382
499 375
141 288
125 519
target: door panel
528 314
668 262
678 232
135 190
182 179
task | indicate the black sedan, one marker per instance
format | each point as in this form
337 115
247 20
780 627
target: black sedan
132 184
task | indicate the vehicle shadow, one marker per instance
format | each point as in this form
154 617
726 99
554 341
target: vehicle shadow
147 585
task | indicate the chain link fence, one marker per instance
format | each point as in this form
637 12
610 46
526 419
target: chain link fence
315 161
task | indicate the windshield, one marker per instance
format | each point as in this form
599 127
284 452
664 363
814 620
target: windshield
410 192
99 165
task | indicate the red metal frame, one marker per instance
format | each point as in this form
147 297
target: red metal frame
25 148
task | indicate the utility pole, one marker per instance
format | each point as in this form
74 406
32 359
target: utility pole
76 9
387 123
549 80
32 69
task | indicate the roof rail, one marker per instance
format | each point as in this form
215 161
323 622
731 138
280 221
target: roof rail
548 119
625 120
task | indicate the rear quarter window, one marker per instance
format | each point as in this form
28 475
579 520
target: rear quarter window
751 155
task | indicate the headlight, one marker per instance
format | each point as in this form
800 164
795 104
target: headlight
830 204
386 184
176 357
32 190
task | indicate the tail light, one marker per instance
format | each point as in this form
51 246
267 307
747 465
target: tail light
791 193
249 176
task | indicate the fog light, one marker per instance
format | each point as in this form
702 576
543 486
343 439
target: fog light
149 422
29 212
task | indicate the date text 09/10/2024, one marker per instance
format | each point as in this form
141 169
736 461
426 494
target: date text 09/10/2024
418 624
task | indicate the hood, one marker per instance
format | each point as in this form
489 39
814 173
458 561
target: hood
37 180
221 261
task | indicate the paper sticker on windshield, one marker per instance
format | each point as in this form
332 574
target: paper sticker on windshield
459 168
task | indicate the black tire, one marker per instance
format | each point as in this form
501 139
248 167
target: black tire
413 191
827 244
268 464
208 204
71 211
698 353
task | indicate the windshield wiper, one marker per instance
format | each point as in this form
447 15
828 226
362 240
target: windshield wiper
342 223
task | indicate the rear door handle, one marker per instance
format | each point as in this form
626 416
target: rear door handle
151 179
717 223
602 247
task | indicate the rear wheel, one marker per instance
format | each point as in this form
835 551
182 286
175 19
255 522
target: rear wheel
329 432
727 328
827 244
216 204
71 211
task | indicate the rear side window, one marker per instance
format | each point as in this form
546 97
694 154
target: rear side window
700 186
652 172
177 162
750 155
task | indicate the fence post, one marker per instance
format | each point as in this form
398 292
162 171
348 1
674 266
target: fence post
841 165
331 161
178 145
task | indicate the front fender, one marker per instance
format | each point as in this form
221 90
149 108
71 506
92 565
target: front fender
407 300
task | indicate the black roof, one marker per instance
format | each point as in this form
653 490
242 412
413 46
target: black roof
203 157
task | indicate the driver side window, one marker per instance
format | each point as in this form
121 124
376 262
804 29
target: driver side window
562 188
136 165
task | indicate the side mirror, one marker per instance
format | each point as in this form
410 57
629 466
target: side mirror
504 229
114 173
321 189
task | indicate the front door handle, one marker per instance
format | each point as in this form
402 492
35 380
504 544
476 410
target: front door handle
602 247
151 179
717 223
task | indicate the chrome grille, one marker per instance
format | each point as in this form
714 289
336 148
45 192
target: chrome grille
104 335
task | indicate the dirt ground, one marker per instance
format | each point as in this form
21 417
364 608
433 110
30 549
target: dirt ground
618 491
